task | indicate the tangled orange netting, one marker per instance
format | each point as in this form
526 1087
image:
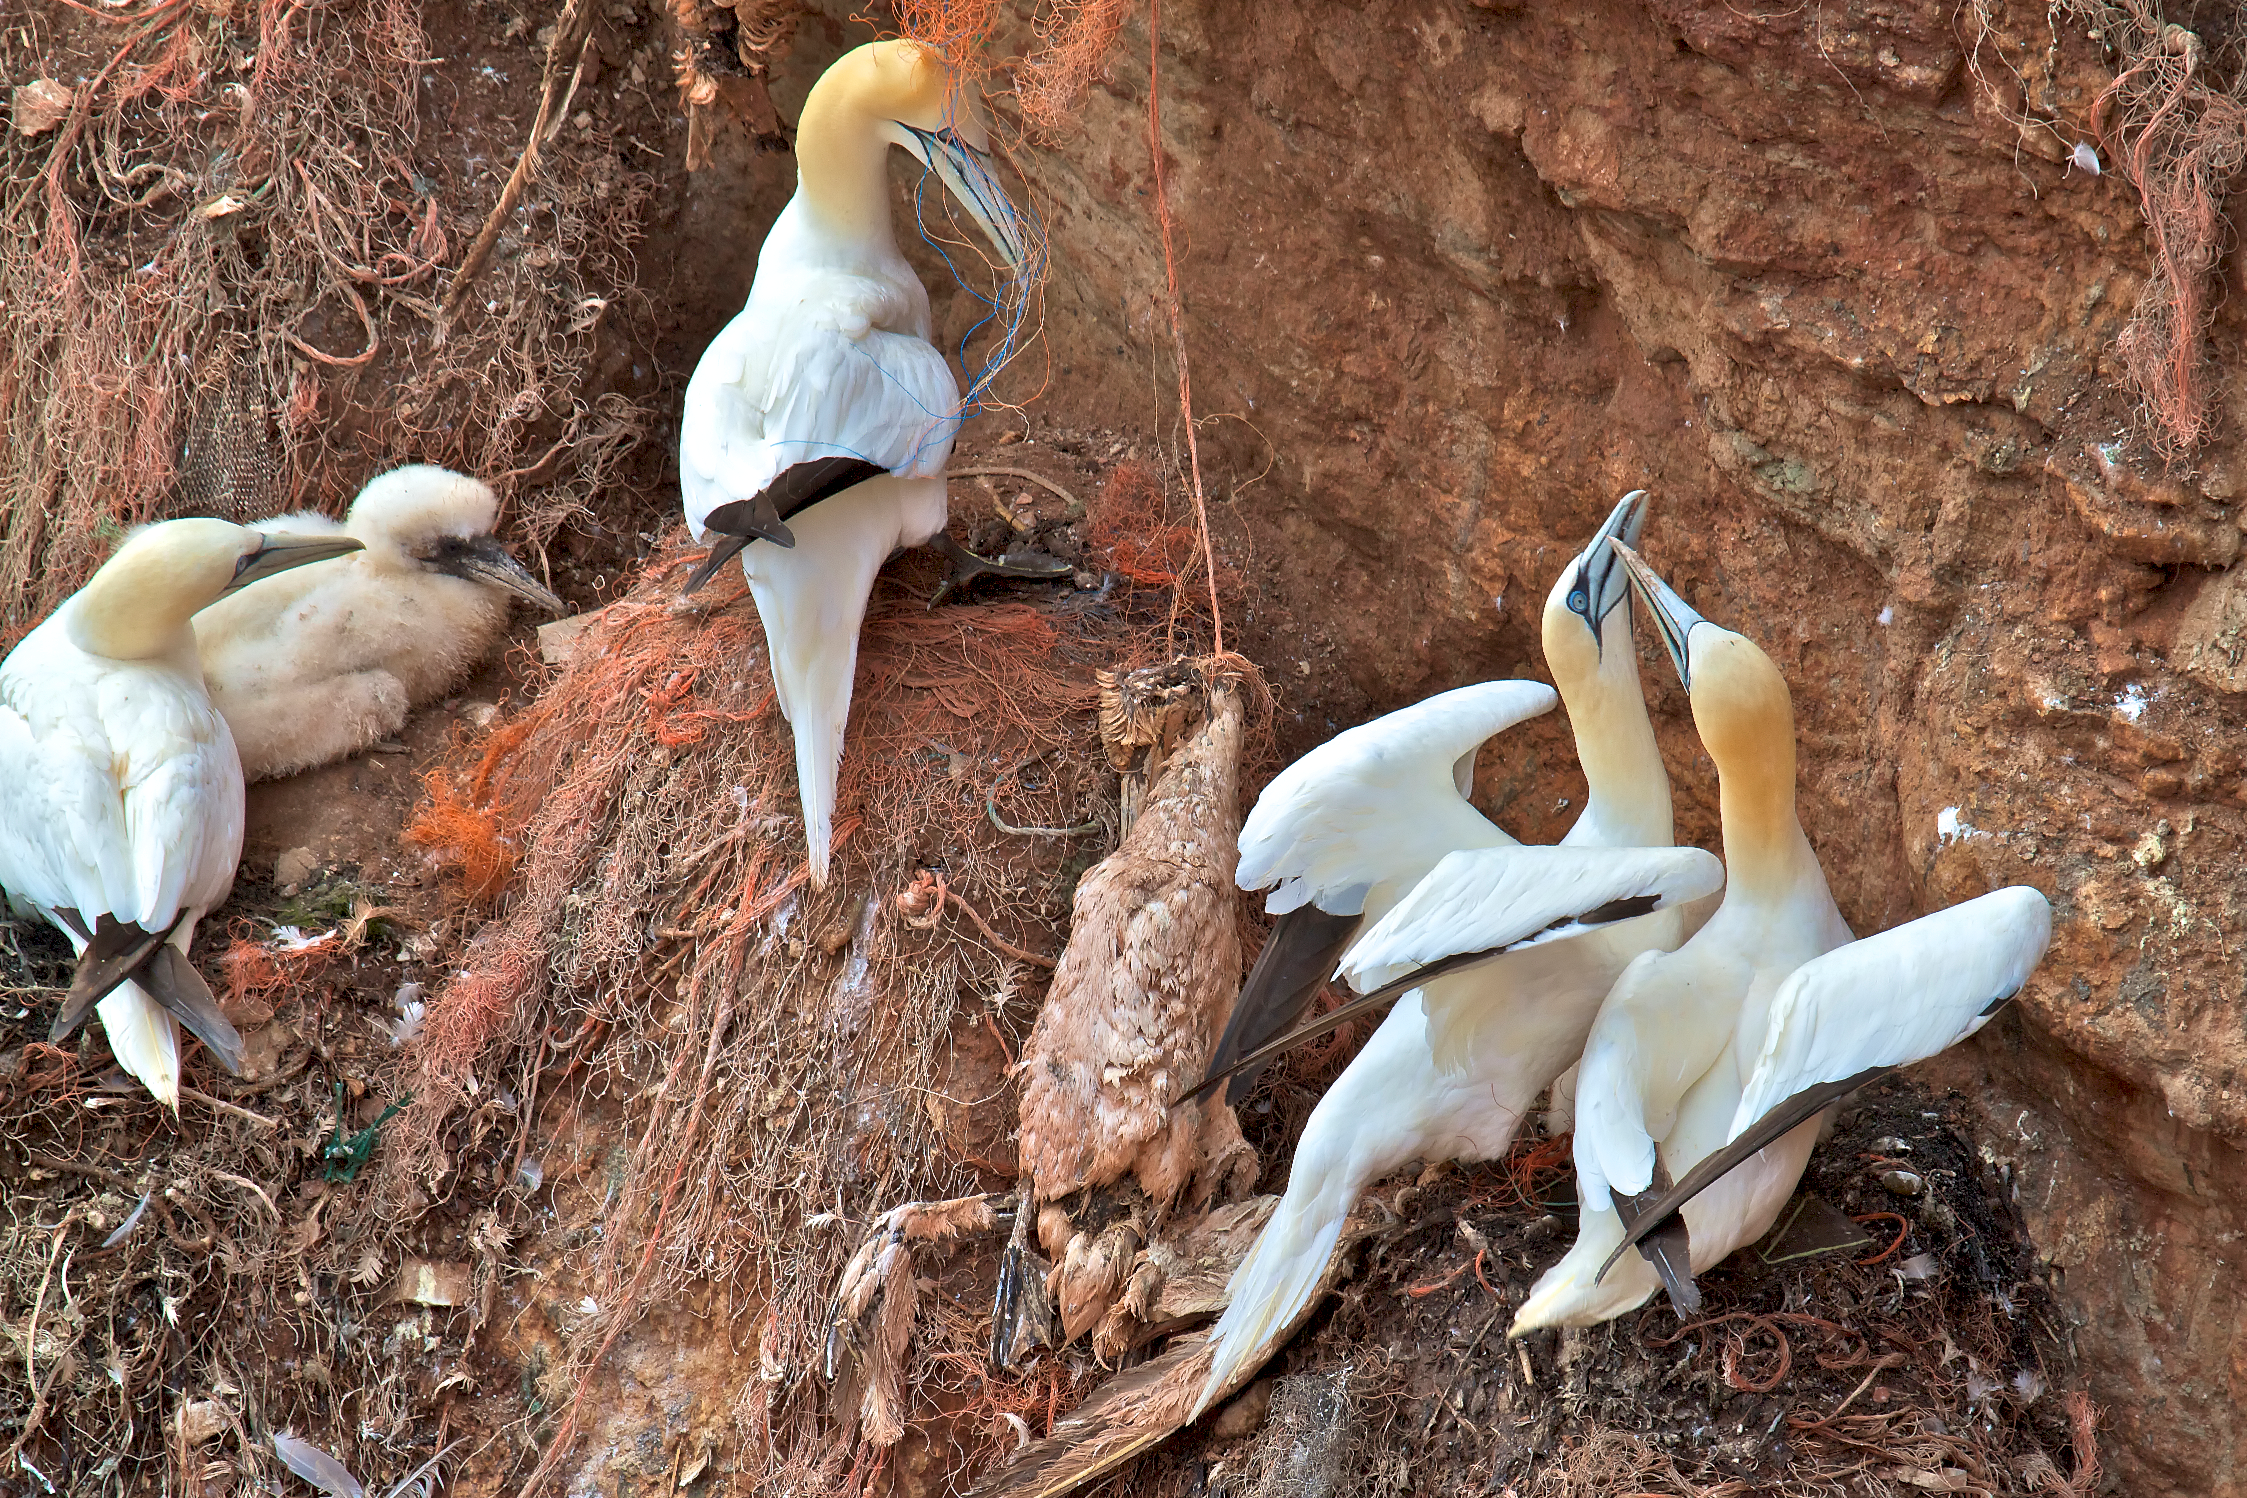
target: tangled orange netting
2180 137
635 836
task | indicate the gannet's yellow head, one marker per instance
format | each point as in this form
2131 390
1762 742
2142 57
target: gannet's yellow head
1585 617
903 93
139 604
424 518
1741 706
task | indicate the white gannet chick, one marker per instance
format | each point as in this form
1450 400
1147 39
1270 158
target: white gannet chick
1516 1022
820 419
120 793
320 664
1758 1024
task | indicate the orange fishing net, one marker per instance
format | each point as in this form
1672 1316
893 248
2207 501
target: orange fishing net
785 1041
2180 136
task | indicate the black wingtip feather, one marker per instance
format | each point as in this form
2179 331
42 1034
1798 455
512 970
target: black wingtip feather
174 983
1789 1115
1296 958
116 950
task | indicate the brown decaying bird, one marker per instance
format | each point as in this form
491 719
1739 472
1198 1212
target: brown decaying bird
1152 965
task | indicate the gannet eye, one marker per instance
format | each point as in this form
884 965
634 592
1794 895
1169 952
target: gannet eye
1579 600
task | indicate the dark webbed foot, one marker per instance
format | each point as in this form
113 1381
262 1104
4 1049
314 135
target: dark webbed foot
1034 566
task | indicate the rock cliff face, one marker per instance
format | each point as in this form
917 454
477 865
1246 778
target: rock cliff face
1827 282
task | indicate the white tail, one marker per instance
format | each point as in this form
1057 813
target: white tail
819 762
1272 1287
812 600
144 1039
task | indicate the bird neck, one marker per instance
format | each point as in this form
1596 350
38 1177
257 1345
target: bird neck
1766 856
1628 790
842 169
133 610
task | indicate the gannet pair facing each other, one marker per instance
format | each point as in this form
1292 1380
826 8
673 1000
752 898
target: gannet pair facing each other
1370 838
820 419
1713 1063
120 790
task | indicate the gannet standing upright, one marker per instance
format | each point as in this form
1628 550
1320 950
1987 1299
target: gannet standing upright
325 662
1513 1024
1769 1005
819 420
120 791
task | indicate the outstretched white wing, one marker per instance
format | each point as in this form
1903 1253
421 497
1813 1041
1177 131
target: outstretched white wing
1897 997
1379 802
1483 900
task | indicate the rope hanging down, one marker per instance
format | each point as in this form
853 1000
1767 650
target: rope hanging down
1177 317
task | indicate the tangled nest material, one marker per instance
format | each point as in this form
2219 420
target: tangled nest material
233 233
795 1053
224 231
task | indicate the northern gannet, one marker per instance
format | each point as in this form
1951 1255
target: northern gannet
323 663
820 419
1372 815
1769 1013
120 792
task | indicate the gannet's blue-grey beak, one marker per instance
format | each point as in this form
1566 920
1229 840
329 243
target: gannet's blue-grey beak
279 551
969 176
1601 583
1673 616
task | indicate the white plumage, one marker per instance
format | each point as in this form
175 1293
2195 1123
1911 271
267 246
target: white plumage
1515 1023
1714 1062
1836 1016
321 663
820 420
120 792
1355 823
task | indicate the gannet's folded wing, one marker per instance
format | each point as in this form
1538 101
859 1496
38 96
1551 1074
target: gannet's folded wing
823 387
62 827
1480 902
1863 1010
1483 903
1361 807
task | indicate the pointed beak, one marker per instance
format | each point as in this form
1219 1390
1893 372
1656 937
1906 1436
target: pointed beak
278 551
1673 616
1609 584
485 561
970 177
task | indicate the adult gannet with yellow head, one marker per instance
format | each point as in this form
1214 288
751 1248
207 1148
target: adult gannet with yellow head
819 421
1712 1064
1456 1065
326 661
120 790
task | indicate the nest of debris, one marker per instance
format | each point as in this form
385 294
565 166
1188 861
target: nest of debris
1894 1333
786 1063
240 272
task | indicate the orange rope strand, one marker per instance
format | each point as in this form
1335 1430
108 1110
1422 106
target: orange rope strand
1177 315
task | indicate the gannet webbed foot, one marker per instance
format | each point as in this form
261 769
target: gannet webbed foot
1034 566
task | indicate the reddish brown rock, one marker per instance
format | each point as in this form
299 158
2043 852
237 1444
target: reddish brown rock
1456 275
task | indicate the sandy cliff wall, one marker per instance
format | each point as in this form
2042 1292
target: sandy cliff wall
1826 281
1458 275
